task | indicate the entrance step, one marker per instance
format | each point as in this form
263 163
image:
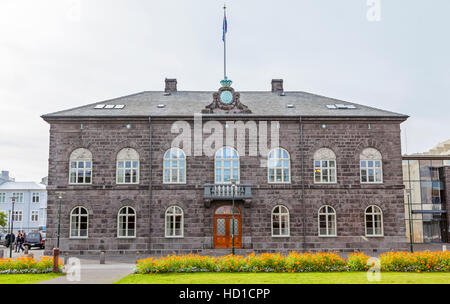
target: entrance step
224 252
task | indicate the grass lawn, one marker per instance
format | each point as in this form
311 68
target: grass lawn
26 278
285 278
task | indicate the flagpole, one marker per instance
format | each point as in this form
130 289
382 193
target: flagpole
224 46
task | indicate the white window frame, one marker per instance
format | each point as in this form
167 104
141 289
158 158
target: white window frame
79 215
280 214
232 167
17 214
34 196
77 156
373 155
373 214
277 159
2 197
181 156
327 222
34 214
173 215
18 196
126 219
322 155
128 155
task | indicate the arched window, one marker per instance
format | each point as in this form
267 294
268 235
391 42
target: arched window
126 226
174 222
174 166
327 221
279 166
324 166
79 222
374 221
127 166
371 166
226 165
280 221
80 167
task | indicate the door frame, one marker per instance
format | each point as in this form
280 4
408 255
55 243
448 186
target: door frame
228 228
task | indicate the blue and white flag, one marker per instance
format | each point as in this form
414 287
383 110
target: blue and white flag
225 27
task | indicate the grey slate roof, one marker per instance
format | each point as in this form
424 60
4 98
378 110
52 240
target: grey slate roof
186 103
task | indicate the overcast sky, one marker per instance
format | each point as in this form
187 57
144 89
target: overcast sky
60 54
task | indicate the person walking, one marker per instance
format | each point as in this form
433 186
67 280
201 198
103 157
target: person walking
7 239
21 241
16 241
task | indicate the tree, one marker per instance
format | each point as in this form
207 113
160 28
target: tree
3 219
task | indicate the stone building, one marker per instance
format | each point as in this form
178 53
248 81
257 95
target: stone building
332 180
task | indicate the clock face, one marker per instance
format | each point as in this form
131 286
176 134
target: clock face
226 97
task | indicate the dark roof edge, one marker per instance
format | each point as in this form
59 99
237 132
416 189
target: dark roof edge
230 116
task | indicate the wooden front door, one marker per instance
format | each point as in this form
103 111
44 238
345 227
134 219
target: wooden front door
223 227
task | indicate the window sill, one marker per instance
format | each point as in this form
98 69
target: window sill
328 236
174 237
374 236
78 238
281 236
126 237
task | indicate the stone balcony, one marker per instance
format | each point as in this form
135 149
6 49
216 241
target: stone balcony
225 192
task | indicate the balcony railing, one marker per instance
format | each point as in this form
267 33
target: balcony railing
225 191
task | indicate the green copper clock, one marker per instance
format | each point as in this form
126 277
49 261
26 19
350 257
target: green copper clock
226 97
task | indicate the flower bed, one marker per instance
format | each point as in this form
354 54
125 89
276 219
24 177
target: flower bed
296 262
28 265
425 261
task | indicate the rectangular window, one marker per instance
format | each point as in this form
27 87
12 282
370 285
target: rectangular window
17 216
80 172
324 171
34 216
18 196
127 172
371 171
2 197
35 197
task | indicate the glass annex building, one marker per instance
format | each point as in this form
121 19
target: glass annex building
426 205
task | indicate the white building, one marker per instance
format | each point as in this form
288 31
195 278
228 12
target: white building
30 208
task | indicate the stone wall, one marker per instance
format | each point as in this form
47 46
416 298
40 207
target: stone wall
103 199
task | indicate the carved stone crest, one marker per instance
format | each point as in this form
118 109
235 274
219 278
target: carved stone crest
226 101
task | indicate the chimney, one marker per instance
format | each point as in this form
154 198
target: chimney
5 175
277 85
171 85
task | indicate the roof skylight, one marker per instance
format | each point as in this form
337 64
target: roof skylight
109 106
340 106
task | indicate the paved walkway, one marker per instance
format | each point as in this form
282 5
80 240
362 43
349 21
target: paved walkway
94 274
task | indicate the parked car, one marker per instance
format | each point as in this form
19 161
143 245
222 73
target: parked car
3 239
34 239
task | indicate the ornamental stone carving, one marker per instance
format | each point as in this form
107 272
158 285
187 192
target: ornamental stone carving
324 154
369 154
80 153
128 154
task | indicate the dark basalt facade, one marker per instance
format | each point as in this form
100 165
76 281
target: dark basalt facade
306 123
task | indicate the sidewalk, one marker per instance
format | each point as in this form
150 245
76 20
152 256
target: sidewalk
92 272
96 274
